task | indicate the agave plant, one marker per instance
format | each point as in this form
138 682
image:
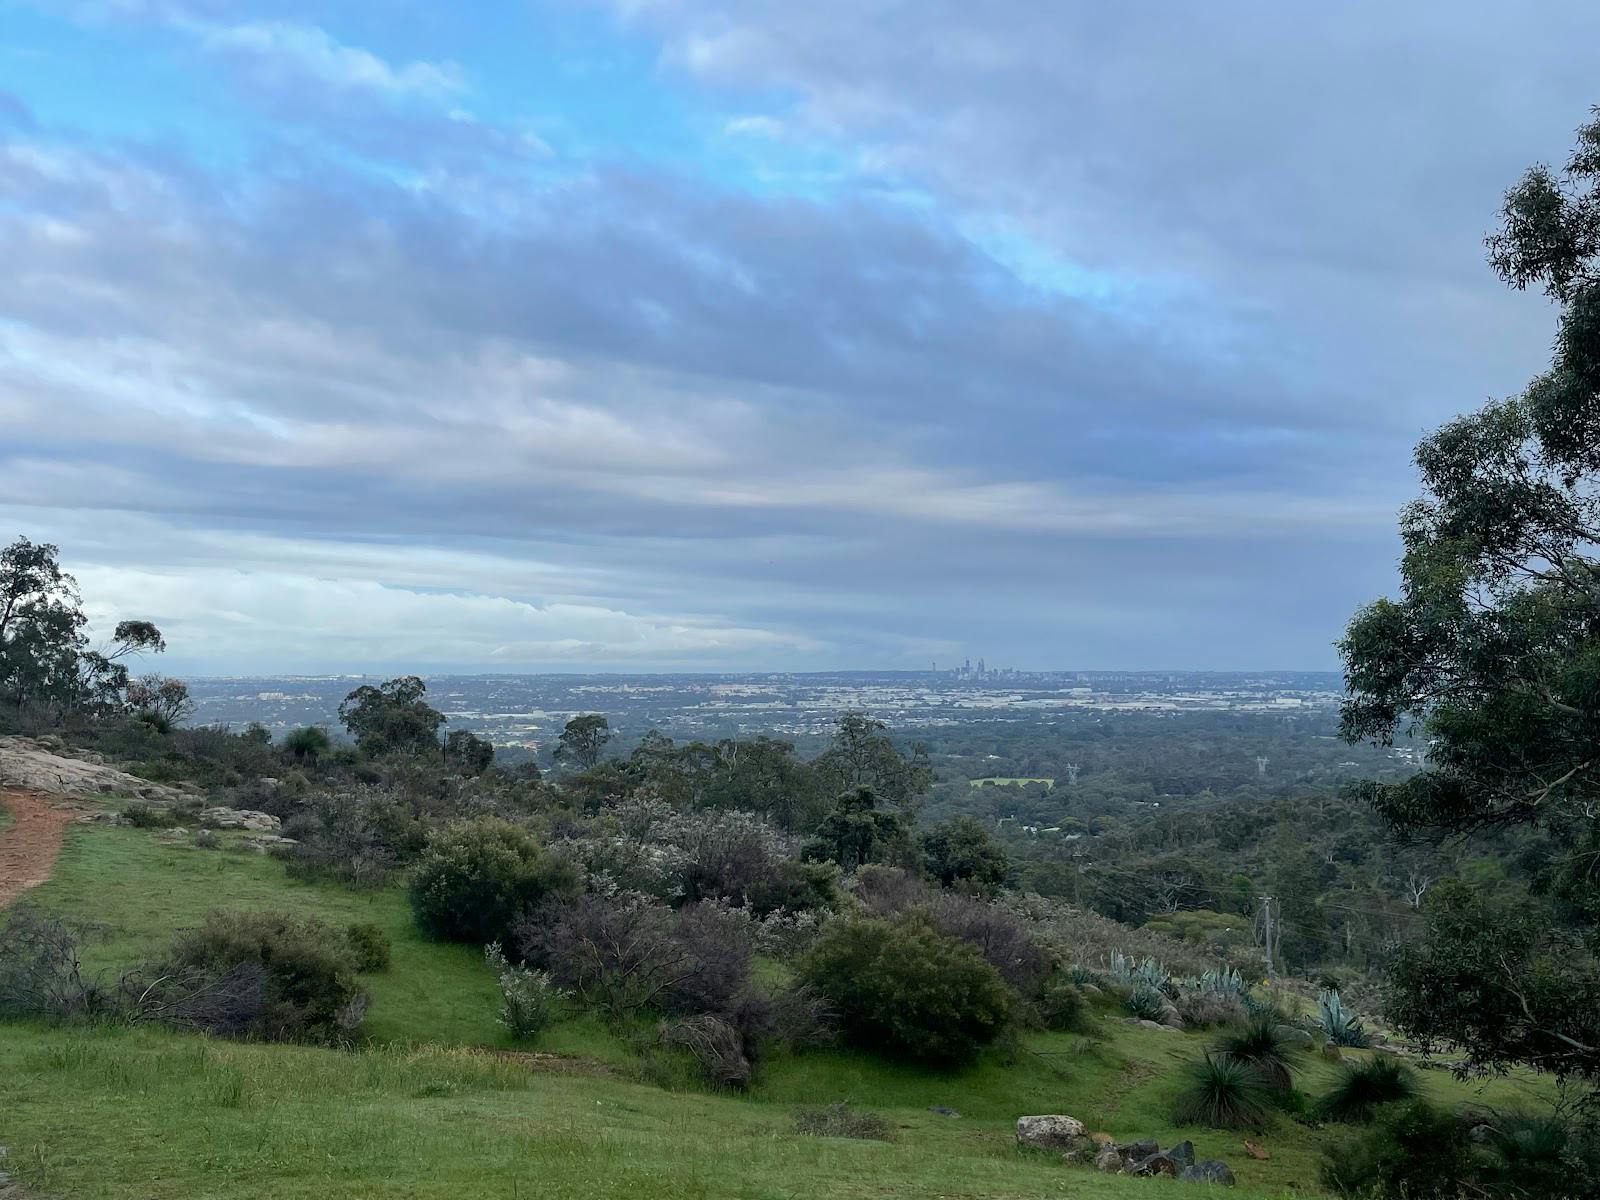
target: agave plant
1146 1003
1339 1024
1226 982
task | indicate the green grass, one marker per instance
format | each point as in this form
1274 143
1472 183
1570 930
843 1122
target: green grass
417 1113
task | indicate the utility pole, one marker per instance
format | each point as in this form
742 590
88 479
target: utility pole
1267 933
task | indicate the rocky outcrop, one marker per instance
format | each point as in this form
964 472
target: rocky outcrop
239 818
1149 1160
47 766
1052 1132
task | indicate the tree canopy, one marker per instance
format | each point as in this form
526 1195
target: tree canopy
1493 651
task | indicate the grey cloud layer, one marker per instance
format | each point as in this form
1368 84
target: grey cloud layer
517 414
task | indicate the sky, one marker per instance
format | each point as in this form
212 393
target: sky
752 335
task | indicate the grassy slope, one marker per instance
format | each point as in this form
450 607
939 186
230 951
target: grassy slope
103 1113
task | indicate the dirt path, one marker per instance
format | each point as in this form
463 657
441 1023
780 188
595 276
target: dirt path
29 845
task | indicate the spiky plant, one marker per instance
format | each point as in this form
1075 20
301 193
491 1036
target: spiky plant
1146 1003
1265 1047
1361 1087
1223 1093
1226 982
1338 1023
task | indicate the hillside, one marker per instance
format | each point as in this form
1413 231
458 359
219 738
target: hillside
435 1099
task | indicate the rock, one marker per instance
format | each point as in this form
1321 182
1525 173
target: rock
265 843
1212 1170
1156 1025
1053 1132
1134 1151
1481 1134
44 765
1331 1052
937 1109
104 817
1182 1154
219 817
1108 1160
1156 1164
1255 1151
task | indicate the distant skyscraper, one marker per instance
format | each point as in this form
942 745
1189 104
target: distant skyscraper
980 668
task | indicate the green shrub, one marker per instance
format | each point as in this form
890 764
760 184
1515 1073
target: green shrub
906 989
1411 1151
1263 1045
1062 1007
1146 1003
841 1120
529 1000
476 878
1362 1087
145 816
1540 1154
1223 1093
309 970
370 945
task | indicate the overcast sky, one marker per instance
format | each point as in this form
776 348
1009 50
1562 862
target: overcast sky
750 334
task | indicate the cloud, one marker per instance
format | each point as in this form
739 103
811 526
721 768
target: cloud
285 53
1104 343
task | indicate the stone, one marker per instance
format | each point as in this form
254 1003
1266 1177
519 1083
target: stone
219 817
936 1109
1332 1053
1212 1170
1108 1160
45 765
1156 1164
1182 1154
1134 1151
265 843
1156 1025
1050 1132
1481 1134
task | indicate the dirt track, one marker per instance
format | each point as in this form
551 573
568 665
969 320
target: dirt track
29 845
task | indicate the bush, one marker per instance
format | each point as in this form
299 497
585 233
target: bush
716 1047
1223 1093
906 989
476 878
359 836
841 1120
1532 1154
1002 939
625 954
1362 1087
145 816
309 970
1410 1151
1062 1007
529 1000
1205 1009
370 946
1264 1046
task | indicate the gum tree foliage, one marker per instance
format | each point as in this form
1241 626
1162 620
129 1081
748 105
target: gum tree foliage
45 657
862 755
859 830
467 752
583 740
392 717
1492 652
961 853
